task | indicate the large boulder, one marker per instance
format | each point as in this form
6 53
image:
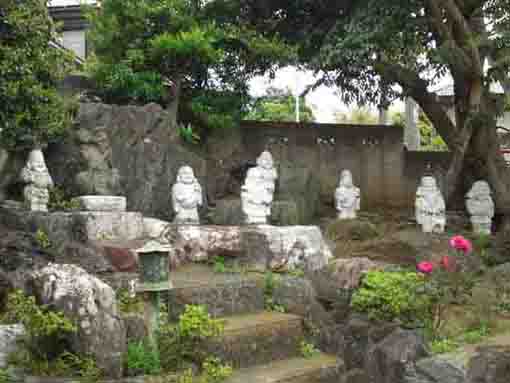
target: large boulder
259 247
387 360
491 364
447 368
92 305
347 273
9 337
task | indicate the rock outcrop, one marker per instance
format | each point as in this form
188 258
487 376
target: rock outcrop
92 305
260 247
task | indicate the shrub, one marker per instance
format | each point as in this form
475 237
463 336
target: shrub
214 371
396 295
182 343
45 347
142 359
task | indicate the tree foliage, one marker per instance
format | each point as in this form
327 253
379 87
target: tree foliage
376 51
195 47
31 111
279 105
359 115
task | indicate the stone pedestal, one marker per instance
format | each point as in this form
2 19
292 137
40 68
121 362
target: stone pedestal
102 203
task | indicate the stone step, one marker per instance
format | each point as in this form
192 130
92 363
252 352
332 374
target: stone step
223 294
321 368
256 339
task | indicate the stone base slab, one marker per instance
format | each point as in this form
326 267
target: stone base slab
102 203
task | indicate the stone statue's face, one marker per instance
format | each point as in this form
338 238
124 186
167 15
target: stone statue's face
36 161
346 178
429 182
265 160
186 175
482 189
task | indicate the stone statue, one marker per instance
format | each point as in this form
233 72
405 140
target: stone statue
258 190
347 197
480 206
38 180
186 197
430 206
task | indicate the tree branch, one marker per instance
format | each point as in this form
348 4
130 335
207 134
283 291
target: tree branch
416 88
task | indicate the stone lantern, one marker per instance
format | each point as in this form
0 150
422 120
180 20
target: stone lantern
154 279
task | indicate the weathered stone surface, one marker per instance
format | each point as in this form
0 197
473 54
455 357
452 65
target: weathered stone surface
92 304
480 206
260 247
436 369
102 203
78 226
123 150
9 335
258 190
491 364
285 213
356 376
227 212
347 197
186 197
430 206
386 361
135 327
347 273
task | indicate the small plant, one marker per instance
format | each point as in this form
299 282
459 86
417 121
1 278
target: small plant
270 283
297 272
142 359
45 346
4 375
42 239
475 335
61 201
219 265
129 303
182 343
443 346
188 135
214 371
308 350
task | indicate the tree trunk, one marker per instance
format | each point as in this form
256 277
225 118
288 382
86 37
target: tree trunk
485 161
173 104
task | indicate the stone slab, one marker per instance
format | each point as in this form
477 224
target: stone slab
102 203
9 335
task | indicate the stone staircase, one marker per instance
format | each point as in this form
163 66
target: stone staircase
262 346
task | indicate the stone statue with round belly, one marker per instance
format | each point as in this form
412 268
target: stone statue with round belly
38 180
430 206
258 190
186 197
480 206
347 197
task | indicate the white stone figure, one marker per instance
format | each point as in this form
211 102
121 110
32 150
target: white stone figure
430 206
480 206
347 197
37 179
186 197
258 190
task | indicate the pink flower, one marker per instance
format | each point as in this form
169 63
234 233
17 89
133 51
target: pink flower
462 244
425 267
